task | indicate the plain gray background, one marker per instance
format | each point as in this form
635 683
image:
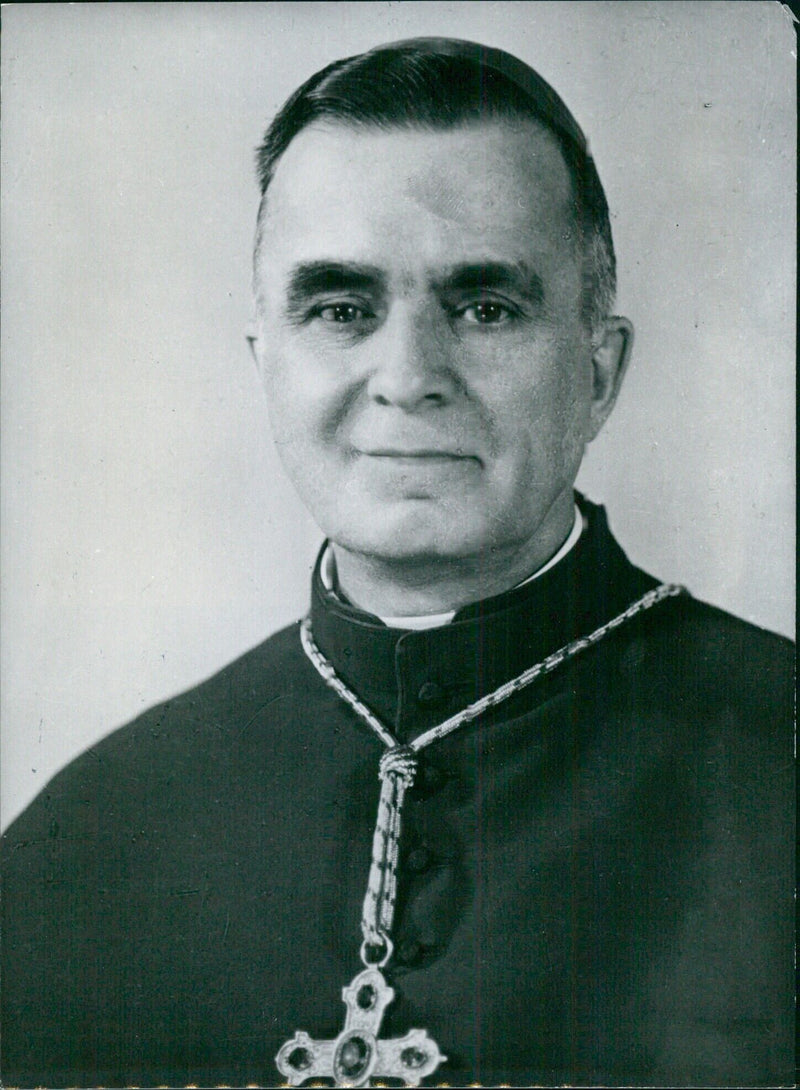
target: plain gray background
149 535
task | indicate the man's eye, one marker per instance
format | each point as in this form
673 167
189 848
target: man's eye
488 312
342 313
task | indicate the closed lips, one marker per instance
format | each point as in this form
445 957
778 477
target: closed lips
393 453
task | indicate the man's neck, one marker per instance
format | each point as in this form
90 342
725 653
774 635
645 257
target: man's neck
413 588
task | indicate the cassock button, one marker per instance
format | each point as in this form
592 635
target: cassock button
429 778
418 860
430 693
408 952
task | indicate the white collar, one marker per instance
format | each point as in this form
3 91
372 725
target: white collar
327 571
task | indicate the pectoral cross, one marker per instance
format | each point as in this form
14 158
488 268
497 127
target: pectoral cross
357 1055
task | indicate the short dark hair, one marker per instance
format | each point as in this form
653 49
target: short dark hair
440 83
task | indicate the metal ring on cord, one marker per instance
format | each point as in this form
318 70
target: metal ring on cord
389 946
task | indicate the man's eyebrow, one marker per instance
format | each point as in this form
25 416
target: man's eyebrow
309 279
517 277
318 277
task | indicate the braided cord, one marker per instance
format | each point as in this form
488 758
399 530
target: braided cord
397 769
398 764
647 601
509 688
332 679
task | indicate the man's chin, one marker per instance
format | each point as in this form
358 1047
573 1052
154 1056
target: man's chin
431 533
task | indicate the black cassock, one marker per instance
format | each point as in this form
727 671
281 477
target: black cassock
595 878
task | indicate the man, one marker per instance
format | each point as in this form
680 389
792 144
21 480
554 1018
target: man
525 809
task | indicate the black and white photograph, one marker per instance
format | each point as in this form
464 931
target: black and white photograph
397 531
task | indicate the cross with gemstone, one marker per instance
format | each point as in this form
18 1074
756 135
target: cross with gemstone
357 1055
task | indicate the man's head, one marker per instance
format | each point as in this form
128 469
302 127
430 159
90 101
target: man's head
434 273
432 84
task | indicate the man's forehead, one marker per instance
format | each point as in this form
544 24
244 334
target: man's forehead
472 178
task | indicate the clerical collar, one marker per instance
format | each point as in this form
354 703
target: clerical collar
327 571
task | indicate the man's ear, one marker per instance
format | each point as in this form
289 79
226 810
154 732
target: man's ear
610 356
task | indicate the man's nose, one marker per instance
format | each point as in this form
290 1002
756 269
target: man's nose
412 368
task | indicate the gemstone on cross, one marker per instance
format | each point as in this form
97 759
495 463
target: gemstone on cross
357 1055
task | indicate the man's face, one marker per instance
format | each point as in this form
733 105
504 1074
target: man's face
428 372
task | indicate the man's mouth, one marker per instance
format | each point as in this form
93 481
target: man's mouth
419 454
